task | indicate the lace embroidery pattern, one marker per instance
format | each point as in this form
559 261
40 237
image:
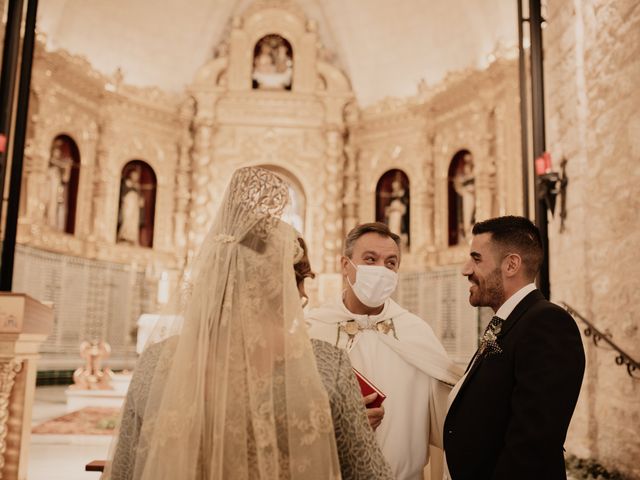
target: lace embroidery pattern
358 451
261 195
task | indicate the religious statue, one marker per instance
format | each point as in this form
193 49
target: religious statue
92 376
57 191
464 185
272 64
396 211
131 209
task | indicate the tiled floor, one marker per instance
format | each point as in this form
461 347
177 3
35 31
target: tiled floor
61 457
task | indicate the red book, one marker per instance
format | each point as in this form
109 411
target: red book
367 388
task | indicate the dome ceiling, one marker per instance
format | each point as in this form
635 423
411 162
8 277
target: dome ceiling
384 47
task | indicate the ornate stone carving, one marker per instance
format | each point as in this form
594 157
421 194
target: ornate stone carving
101 184
332 187
429 129
350 195
183 178
8 371
202 199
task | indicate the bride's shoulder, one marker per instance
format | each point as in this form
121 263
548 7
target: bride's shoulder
329 358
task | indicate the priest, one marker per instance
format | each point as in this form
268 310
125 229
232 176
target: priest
392 348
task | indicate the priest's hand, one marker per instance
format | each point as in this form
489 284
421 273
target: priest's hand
375 415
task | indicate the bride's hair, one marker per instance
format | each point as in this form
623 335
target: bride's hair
303 266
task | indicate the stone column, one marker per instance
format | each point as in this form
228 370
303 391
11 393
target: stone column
100 207
508 160
350 196
35 161
429 169
485 171
484 200
35 177
183 177
24 324
333 200
201 199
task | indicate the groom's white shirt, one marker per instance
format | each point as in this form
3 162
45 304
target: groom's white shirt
503 312
409 370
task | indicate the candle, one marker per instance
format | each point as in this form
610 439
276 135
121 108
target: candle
163 289
547 162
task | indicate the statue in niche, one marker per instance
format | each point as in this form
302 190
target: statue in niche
272 64
58 176
393 203
131 209
464 185
397 209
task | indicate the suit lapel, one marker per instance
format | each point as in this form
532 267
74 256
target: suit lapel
524 305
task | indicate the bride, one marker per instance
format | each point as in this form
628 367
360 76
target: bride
236 393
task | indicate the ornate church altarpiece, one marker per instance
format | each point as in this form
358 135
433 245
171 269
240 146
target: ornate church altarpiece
270 96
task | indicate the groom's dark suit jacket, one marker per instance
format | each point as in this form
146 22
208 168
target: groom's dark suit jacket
510 417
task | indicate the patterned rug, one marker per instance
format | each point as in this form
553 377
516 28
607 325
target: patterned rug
88 421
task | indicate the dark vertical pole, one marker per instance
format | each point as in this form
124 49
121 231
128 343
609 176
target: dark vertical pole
524 123
7 83
22 111
539 143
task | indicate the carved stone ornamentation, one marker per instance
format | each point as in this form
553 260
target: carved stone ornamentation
101 183
202 188
333 187
183 174
8 371
350 196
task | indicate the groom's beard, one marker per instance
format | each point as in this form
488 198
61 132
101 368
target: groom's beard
488 291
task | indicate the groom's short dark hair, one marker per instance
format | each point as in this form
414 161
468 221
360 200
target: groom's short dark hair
516 234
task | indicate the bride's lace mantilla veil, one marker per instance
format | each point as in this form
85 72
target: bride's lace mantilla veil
236 394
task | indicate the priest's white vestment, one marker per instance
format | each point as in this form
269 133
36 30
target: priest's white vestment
400 354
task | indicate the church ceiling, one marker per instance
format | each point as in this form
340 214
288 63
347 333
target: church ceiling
386 48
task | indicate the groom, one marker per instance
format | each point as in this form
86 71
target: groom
508 416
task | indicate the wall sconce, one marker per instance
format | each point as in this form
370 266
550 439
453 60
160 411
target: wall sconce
551 184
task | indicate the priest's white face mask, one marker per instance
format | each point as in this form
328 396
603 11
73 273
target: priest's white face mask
374 284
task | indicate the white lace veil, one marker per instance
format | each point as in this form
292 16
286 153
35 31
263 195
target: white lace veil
237 394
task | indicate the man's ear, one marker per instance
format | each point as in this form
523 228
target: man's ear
344 263
512 264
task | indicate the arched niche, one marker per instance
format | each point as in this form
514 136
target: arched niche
393 203
136 213
295 211
61 193
261 20
461 196
272 63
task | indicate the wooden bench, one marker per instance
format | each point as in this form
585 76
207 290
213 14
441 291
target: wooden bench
95 466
